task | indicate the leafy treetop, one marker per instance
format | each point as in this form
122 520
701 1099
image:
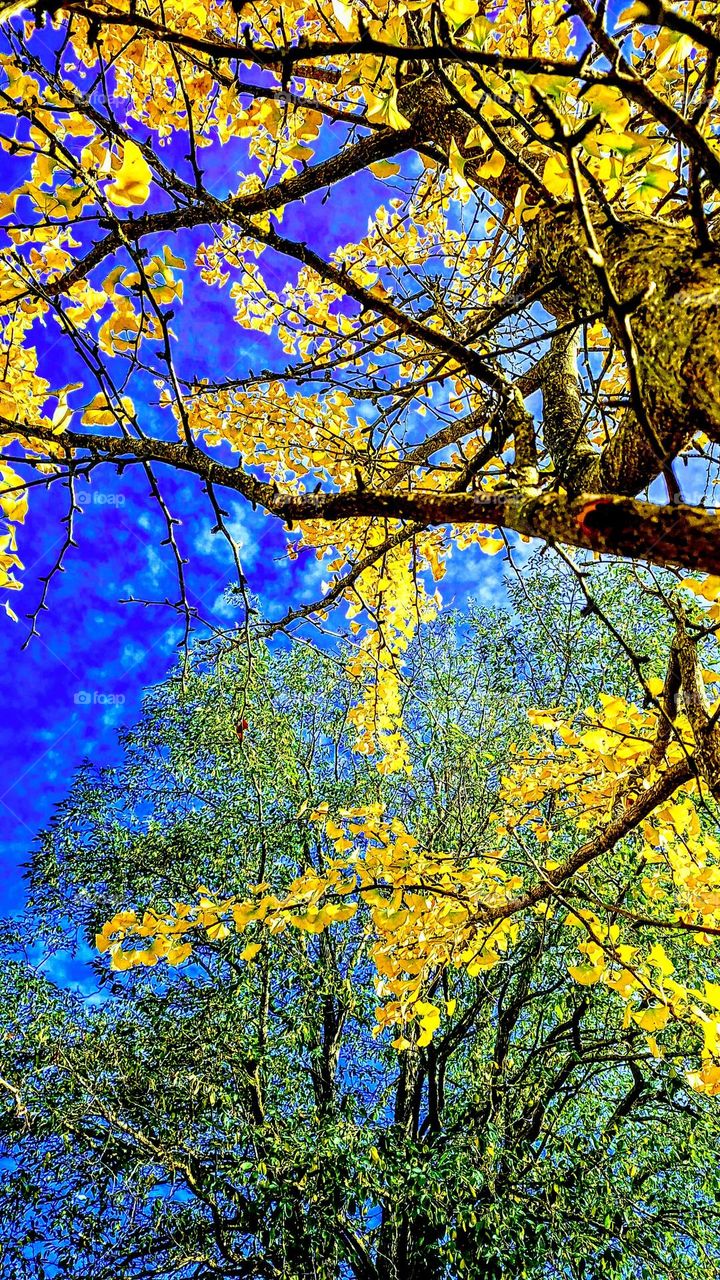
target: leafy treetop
236 1113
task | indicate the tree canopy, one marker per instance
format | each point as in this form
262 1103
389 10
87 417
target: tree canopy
520 343
547 178
237 1115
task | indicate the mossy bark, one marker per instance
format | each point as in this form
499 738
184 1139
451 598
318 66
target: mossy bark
671 290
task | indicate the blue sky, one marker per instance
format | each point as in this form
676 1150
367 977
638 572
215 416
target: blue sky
64 696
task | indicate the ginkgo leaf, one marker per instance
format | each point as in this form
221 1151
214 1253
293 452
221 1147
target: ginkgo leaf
706 1081
658 957
344 14
459 11
586 974
626 143
131 185
638 11
652 1019
610 103
383 109
491 546
556 175
456 162
477 137
493 166
100 413
657 177
251 951
384 169
712 994
654 1047
708 588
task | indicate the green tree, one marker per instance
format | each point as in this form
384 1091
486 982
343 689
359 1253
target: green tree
237 1116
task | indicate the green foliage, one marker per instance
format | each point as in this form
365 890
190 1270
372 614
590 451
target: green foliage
233 1118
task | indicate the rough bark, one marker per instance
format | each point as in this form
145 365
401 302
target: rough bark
703 723
669 292
657 290
679 534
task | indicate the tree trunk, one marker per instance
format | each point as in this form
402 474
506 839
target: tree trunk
667 318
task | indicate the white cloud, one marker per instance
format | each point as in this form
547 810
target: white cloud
131 654
224 607
157 566
472 574
237 522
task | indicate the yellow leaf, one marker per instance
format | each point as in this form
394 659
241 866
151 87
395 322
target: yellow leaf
705 1081
493 167
709 588
384 169
608 102
383 109
638 11
250 951
344 14
596 740
132 180
712 994
661 961
556 176
672 48
456 163
477 137
99 413
627 144
459 11
522 211
657 177
491 546
652 1019
586 974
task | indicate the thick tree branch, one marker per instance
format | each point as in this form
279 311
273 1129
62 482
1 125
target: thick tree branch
679 534
576 463
706 730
